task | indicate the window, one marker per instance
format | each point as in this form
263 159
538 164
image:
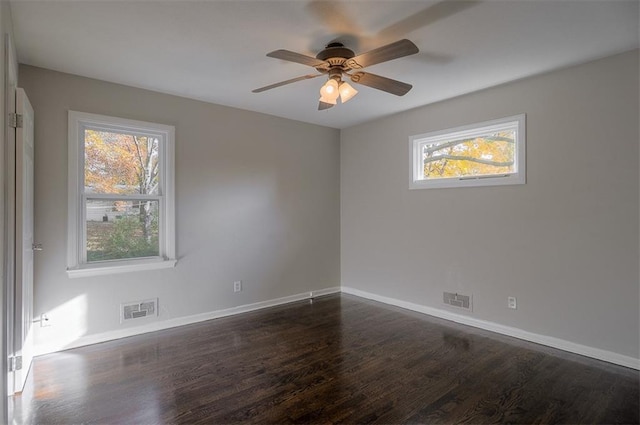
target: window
121 201
483 154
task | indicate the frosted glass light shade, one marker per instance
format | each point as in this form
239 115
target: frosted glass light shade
346 92
331 100
329 91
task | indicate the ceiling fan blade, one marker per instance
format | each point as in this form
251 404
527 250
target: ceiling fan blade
386 53
284 83
440 10
290 56
381 83
333 15
324 105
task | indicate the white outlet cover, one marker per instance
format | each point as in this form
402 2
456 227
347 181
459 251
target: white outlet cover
512 303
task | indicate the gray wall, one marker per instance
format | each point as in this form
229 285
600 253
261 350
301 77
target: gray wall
288 208
257 200
565 244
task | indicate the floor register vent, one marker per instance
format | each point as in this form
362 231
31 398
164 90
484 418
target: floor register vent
138 309
457 300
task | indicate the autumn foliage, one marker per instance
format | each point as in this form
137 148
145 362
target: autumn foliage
492 154
127 165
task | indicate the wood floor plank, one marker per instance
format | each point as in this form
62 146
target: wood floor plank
339 359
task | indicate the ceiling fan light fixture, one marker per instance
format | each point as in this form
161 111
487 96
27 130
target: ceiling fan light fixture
330 100
329 91
346 91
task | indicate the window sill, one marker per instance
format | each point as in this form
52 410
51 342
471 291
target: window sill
106 269
495 180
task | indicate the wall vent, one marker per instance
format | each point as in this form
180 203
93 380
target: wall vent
457 300
138 309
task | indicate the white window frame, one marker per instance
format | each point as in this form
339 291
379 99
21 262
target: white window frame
77 266
416 168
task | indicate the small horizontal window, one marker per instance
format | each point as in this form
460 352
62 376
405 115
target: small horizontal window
483 154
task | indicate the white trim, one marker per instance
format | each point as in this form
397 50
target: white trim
572 347
121 267
76 261
73 191
416 180
596 353
168 184
180 321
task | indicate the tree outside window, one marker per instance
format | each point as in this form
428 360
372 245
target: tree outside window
121 164
484 154
121 200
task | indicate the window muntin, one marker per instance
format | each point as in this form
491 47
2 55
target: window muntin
121 209
489 153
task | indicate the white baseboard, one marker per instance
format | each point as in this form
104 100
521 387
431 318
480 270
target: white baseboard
179 321
549 341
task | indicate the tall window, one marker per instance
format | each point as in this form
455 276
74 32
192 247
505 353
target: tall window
488 153
121 201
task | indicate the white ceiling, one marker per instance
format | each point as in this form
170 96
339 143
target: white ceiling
215 50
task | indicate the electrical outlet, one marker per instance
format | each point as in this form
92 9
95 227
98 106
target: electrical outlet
511 302
237 286
44 321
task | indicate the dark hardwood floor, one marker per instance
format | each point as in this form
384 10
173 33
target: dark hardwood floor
340 359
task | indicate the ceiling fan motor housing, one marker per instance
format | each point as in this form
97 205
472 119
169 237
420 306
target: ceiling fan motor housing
335 54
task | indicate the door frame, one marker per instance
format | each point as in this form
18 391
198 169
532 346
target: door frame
10 88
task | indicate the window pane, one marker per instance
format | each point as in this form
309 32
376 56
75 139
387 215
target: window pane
121 229
120 163
489 154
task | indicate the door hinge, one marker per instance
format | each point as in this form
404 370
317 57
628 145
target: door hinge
15 120
15 363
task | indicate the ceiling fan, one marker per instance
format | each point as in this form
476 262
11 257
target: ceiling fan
337 60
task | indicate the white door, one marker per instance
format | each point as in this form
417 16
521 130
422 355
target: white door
23 335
